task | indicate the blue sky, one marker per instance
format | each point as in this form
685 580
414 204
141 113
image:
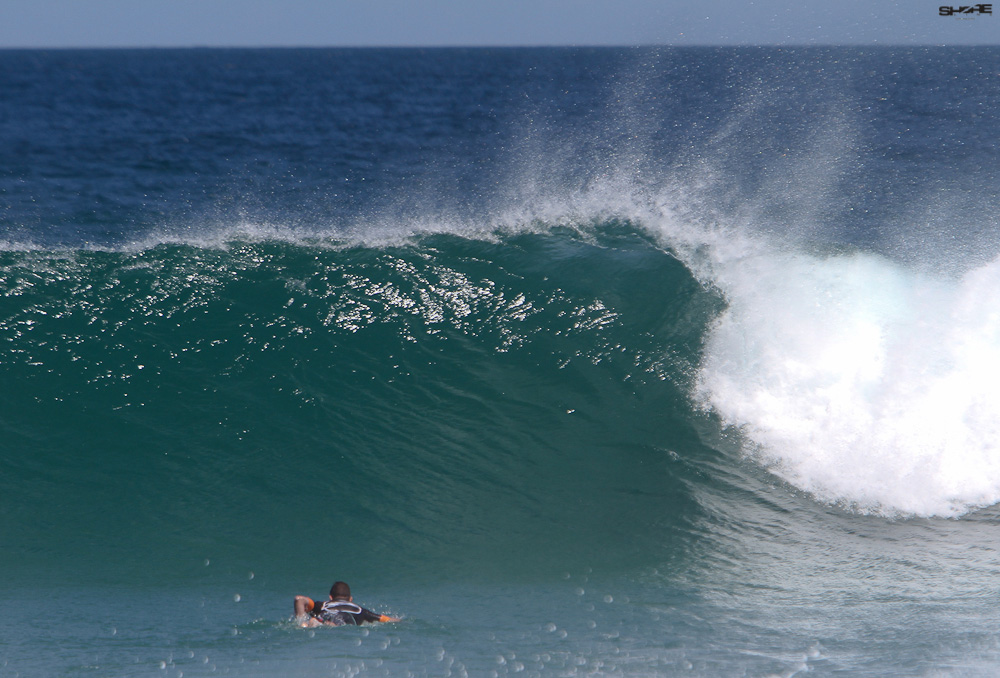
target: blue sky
184 23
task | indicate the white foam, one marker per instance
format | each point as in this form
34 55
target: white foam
860 381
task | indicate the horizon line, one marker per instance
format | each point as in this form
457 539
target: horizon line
495 46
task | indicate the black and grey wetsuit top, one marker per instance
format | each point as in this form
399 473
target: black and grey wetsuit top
343 613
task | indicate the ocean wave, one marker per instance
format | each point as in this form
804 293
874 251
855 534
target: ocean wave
855 378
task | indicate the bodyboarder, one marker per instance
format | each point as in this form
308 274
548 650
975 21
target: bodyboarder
339 610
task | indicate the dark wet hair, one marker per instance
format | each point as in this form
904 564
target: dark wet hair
340 590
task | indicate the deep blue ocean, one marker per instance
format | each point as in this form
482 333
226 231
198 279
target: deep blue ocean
610 362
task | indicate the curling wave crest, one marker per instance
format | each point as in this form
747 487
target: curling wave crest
860 381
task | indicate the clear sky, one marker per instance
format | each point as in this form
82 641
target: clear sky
253 23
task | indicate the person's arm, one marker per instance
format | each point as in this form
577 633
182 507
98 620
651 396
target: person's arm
303 607
369 616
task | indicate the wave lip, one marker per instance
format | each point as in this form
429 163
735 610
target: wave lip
862 382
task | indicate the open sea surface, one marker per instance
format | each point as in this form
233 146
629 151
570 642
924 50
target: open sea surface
610 362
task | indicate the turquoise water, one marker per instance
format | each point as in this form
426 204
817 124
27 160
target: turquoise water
583 362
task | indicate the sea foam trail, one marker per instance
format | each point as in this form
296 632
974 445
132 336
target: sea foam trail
860 381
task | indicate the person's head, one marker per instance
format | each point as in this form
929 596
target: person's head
340 591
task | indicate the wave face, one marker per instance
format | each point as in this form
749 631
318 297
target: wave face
448 387
632 362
